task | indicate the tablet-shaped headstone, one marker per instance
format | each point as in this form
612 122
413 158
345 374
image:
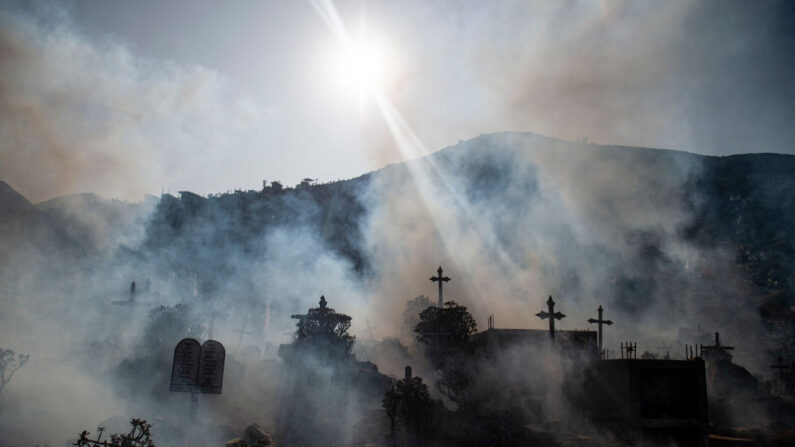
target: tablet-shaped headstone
185 369
211 367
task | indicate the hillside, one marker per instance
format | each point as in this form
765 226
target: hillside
659 236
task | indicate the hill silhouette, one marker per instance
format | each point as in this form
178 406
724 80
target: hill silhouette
650 229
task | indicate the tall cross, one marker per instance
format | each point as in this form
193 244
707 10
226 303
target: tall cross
552 316
440 279
600 322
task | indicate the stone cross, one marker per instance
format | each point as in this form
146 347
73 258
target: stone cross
552 316
600 322
440 279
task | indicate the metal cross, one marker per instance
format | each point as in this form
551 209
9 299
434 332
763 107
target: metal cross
440 279
600 322
552 316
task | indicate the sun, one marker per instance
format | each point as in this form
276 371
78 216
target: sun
363 65
366 64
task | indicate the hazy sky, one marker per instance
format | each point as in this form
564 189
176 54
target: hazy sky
126 98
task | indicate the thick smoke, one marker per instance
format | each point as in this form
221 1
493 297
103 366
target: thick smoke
512 217
530 216
78 115
705 77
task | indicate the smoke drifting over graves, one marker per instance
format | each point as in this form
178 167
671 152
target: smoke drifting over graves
674 245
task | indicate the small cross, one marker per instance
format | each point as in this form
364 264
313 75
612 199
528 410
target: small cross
552 316
440 279
600 322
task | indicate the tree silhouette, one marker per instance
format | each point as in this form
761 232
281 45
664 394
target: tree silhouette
408 404
451 325
322 329
139 436
9 364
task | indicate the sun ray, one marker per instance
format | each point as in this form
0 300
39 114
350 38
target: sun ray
447 208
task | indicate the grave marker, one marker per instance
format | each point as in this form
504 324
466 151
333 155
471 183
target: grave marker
211 367
185 369
197 369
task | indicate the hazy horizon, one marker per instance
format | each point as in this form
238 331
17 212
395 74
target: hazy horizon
123 99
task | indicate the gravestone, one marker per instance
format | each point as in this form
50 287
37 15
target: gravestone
198 368
185 369
211 367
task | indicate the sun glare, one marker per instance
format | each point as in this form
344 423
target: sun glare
362 65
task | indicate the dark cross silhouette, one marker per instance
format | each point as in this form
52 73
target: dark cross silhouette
132 292
716 351
440 279
600 322
552 316
781 367
242 331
